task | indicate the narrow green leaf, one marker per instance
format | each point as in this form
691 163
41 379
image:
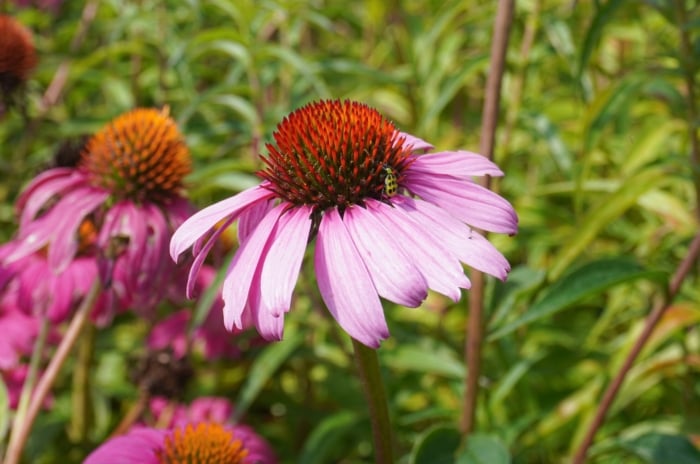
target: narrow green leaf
609 209
265 365
434 359
436 446
595 31
484 449
326 436
4 410
659 448
588 280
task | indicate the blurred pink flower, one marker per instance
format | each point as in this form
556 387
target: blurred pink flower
19 331
118 208
200 428
389 221
14 381
210 337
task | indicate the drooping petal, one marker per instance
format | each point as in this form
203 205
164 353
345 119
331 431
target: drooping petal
469 247
269 326
43 187
282 264
394 274
471 203
461 164
439 265
199 223
201 255
414 142
138 446
345 283
250 218
244 266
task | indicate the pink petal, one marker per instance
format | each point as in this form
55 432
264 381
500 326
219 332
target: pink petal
439 265
199 223
280 270
45 186
345 283
414 143
251 217
201 255
469 202
243 267
138 446
462 164
469 247
393 272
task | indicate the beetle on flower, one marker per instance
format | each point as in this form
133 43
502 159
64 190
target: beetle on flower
325 178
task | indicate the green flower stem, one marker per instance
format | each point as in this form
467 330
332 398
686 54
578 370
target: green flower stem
21 429
368 368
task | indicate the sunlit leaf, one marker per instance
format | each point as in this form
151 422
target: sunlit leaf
657 448
588 280
483 449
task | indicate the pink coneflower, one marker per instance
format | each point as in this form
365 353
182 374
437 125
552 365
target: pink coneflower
198 434
119 205
388 221
210 337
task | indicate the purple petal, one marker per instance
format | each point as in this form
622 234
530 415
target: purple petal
283 261
414 143
251 217
345 283
393 272
461 164
469 247
471 203
269 326
201 255
439 265
138 446
199 223
45 186
243 267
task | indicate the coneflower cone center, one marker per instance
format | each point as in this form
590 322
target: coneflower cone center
333 154
204 443
140 155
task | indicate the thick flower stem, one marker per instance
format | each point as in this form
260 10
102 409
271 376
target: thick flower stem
368 368
21 430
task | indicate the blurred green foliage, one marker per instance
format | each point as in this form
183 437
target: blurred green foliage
594 140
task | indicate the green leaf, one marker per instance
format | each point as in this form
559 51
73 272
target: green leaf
588 280
265 365
438 360
4 410
325 436
608 210
484 449
595 31
436 446
659 448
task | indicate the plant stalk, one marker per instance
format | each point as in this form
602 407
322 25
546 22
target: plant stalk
652 320
21 430
475 329
368 367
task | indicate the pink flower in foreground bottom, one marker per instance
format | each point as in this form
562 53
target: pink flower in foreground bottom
388 220
196 434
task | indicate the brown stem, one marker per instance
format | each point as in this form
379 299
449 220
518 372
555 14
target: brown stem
653 318
492 100
20 432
